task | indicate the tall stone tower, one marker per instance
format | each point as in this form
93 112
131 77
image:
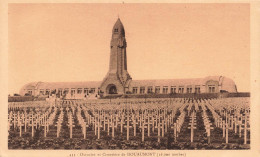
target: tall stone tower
117 79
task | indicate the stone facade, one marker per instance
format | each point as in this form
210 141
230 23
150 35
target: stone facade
118 80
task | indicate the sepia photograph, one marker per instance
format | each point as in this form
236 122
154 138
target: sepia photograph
129 76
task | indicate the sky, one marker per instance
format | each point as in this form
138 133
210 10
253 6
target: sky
70 42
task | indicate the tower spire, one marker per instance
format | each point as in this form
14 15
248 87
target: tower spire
117 77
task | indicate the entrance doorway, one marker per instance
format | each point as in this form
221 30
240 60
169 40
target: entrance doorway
111 89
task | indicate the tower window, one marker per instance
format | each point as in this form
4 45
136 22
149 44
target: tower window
211 89
116 30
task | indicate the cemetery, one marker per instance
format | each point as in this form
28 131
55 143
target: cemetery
120 112
135 123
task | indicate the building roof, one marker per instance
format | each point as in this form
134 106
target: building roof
224 81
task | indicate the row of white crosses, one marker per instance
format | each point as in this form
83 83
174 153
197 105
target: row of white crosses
179 122
132 119
161 121
230 110
59 122
219 122
18 119
189 108
241 106
82 122
18 106
192 124
206 121
34 120
216 116
45 123
88 117
39 119
196 107
157 119
224 124
156 114
10 116
70 122
104 119
13 107
49 120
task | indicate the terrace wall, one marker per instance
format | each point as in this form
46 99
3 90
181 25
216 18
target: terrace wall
25 98
176 95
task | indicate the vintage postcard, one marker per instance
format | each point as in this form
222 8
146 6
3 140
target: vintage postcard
130 78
